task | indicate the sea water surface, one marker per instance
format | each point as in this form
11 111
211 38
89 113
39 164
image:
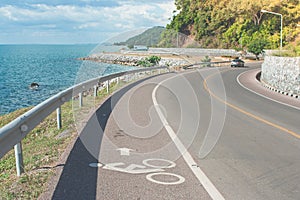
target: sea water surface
53 67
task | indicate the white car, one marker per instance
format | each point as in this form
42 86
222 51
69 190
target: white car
237 63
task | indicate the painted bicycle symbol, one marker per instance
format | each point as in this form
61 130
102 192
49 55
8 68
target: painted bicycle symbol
152 170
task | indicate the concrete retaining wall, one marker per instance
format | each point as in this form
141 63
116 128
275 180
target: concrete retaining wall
282 74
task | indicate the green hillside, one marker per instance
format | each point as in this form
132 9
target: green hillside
149 38
236 24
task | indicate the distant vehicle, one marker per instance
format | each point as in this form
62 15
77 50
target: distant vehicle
237 63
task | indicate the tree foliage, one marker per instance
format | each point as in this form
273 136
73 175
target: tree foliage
257 45
235 23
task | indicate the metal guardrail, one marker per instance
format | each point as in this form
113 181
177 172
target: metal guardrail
13 133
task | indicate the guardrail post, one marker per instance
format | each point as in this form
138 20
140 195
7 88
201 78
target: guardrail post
19 159
95 90
107 86
80 99
58 117
118 79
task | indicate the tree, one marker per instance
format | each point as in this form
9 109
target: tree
256 46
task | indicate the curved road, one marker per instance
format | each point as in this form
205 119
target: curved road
192 135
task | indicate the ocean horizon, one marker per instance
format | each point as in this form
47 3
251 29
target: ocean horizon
54 67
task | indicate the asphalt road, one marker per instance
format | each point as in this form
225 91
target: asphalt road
192 135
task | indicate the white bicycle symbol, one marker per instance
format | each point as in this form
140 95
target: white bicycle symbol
154 170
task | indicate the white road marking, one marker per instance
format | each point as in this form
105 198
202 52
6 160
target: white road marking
180 178
171 163
238 80
124 151
131 169
140 169
201 176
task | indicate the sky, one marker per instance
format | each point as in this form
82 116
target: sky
78 21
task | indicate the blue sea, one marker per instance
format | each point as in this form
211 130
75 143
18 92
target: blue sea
53 67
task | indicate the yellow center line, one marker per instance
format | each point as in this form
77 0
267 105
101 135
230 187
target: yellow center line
245 112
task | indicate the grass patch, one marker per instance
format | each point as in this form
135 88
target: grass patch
41 151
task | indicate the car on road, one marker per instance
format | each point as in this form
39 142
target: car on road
237 63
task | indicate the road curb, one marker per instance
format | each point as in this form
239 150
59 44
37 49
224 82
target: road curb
276 90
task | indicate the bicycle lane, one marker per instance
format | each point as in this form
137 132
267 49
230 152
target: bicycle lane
138 159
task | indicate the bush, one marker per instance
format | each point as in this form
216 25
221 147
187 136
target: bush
149 61
206 59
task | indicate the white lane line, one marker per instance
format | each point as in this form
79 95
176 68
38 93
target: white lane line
203 179
238 80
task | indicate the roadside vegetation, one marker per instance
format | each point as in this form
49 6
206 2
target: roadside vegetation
290 50
206 59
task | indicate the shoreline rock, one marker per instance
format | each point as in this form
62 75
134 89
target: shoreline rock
131 60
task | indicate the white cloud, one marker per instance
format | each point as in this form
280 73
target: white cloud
7 13
123 26
88 25
135 13
128 15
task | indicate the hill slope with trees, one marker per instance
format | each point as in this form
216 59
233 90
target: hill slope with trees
238 24
150 37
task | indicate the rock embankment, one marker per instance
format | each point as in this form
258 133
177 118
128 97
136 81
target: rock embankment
132 60
282 74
